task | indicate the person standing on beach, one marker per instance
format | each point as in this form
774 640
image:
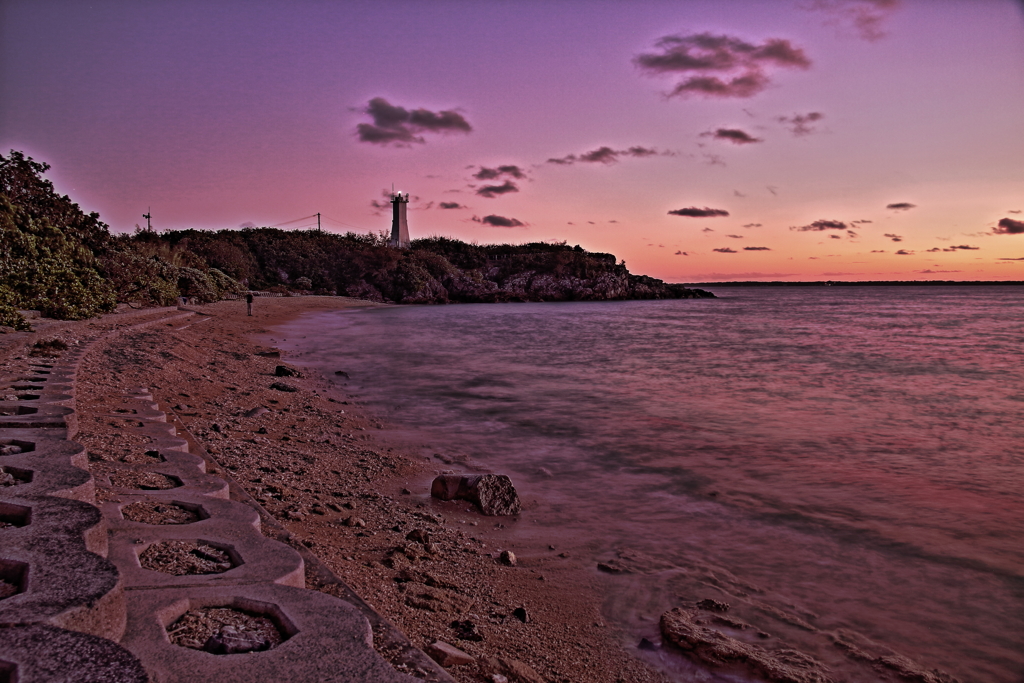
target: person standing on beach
248 302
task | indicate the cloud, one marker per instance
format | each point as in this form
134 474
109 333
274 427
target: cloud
860 222
737 237
836 237
694 212
752 225
1012 259
380 206
904 252
247 224
681 253
965 247
726 250
492 173
707 230
607 155
641 152
933 249
1009 226
800 124
820 225
451 205
901 206
492 191
719 66
499 221
882 251
601 155
399 126
1013 211
756 249
866 17
738 276
733 135
894 238
926 272
851 233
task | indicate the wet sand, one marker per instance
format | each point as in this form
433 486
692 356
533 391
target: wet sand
314 461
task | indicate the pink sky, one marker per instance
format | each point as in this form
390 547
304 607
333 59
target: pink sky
844 139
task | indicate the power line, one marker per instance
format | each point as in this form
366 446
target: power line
313 223
347 225
312 215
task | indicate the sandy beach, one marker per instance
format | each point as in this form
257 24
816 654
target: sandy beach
310 457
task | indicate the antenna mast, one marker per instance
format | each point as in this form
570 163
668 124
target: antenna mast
149 226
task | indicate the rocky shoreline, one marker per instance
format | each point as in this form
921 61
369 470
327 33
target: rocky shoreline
438 570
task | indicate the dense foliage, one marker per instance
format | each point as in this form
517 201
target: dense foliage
57 259
433 270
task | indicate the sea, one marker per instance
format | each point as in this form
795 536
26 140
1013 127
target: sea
842 466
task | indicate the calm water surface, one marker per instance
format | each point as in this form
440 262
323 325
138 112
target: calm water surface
833 462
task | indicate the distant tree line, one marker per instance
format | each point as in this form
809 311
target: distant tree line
65 263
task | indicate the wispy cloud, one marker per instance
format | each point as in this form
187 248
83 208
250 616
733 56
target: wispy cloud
904 252
607 155
719 65
801 124
820 225
509 170
756 249
451 205
695 212
733 135
1009 226
894 238
729 277
395 125
865 17
492 191
725 250
752 225
499 221
901 206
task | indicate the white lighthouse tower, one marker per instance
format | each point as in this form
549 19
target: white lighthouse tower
399 223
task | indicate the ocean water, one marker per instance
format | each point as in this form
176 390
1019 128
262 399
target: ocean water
838 464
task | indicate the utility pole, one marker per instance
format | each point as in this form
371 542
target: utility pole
318 221
146 215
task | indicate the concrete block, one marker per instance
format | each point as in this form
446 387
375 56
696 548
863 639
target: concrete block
212 511
63 584
52 469
39 653
328 639
257 558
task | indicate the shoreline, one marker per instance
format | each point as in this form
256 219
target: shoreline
314 462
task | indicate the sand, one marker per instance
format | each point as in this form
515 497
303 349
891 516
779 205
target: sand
312 460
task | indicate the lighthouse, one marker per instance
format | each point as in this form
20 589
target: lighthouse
399 223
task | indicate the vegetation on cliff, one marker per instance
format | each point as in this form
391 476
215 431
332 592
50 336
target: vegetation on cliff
65 263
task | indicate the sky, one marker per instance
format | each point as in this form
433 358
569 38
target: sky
697 140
